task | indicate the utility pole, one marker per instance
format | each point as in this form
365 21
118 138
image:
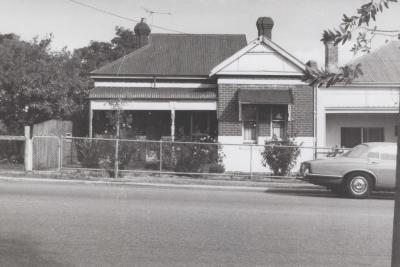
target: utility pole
396 217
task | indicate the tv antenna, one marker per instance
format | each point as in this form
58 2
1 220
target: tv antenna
151 13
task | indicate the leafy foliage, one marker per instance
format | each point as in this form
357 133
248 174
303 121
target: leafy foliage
96 154
364 28
280 155
319 77
36 84
193 157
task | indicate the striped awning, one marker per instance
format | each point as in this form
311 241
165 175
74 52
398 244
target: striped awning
153 93
266 96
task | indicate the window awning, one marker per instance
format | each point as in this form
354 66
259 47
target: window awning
266 96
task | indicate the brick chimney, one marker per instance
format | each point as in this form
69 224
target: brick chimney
331 56
142 32
264 26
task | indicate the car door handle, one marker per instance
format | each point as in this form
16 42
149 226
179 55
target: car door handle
373 162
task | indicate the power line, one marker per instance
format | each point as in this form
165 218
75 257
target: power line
119 16
134 20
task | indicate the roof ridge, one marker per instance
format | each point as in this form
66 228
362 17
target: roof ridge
122 59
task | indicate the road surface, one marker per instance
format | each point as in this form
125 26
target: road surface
53 224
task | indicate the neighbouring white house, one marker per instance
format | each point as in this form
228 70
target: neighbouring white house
365 110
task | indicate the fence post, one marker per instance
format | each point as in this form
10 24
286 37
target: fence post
251 161
28 156
161 157
116 159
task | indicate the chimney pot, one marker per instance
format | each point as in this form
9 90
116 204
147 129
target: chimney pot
142 32
264 26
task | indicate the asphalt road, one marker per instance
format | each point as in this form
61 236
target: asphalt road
46 224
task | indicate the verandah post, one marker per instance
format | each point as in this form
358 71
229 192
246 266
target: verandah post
161 157
116 163
251 162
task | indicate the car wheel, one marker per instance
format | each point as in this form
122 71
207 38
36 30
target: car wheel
358 185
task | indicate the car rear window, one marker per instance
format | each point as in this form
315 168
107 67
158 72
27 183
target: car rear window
359 151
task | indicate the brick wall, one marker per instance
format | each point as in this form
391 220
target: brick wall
228 109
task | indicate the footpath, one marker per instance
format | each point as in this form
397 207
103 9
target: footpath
164 180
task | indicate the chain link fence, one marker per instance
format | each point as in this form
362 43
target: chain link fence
120 157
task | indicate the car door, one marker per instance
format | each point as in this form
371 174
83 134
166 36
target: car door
382 162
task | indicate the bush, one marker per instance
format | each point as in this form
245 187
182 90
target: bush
192 157
101 154
90 152
280 155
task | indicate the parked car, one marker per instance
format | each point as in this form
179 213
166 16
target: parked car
366 167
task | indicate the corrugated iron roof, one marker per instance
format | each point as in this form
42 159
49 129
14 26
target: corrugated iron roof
177 54
152 93
381 65
266 96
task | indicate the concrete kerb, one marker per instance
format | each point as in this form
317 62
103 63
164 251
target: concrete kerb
183 183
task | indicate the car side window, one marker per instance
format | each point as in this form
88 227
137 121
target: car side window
373 155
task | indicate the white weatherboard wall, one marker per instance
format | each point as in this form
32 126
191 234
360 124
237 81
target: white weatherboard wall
237 155
334 122
377 103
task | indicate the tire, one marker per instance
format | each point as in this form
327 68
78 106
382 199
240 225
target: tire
358 185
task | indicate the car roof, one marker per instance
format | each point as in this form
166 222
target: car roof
380 144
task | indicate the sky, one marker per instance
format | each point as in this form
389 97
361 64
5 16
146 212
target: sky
298 23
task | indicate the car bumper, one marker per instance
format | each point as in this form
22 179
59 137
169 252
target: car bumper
320 179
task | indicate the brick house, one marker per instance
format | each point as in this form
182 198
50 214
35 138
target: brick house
365 110
191 85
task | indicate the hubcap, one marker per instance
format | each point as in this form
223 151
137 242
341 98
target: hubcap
359 185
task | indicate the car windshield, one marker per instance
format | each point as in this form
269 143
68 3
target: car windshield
359 151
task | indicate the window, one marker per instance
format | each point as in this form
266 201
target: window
357 152
279 115
352 136
249 118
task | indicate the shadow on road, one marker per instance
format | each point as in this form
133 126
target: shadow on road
324 193
22 252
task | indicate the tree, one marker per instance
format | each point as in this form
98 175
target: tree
363 26
36 84
366 30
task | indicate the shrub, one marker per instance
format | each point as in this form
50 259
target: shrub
280 155
192 157
90 152
101 154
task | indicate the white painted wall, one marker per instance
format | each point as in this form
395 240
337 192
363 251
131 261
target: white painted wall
351 101
238 158
335 121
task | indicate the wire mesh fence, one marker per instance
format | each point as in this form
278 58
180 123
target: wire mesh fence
12 153
120 157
